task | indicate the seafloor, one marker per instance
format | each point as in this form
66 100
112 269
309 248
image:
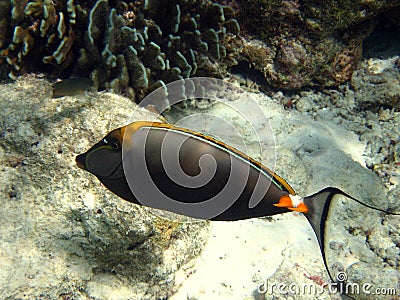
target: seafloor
64 236
314 93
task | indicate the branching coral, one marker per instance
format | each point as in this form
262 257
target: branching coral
157 41
42 37
128 47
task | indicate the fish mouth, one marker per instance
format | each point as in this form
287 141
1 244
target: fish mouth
80 161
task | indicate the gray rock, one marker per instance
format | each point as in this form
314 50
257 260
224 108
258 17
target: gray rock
62 233
303 104
376 83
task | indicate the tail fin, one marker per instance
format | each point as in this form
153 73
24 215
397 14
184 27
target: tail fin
318 212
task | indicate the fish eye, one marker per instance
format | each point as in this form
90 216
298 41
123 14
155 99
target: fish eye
115 145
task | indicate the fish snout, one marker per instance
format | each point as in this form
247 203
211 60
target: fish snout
80 161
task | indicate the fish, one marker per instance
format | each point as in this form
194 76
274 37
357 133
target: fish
71 87
262 193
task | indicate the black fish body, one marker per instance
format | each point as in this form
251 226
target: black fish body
245 174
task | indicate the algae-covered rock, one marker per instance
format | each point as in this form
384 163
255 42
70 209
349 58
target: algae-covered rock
376 84
62 234
307 42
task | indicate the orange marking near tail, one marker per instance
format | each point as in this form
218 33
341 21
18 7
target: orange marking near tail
284 201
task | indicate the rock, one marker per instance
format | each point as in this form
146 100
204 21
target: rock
376 84
308 42
62 233
303 105
384 114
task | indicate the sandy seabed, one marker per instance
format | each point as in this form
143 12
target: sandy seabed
65 236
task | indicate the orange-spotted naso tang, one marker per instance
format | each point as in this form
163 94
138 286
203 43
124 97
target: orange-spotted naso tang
256 191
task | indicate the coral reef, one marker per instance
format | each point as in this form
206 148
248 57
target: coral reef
133 47
307 42
37 36
128 47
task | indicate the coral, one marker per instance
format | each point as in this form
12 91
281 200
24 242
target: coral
307 42
131 47
42 37
158 42
127 47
